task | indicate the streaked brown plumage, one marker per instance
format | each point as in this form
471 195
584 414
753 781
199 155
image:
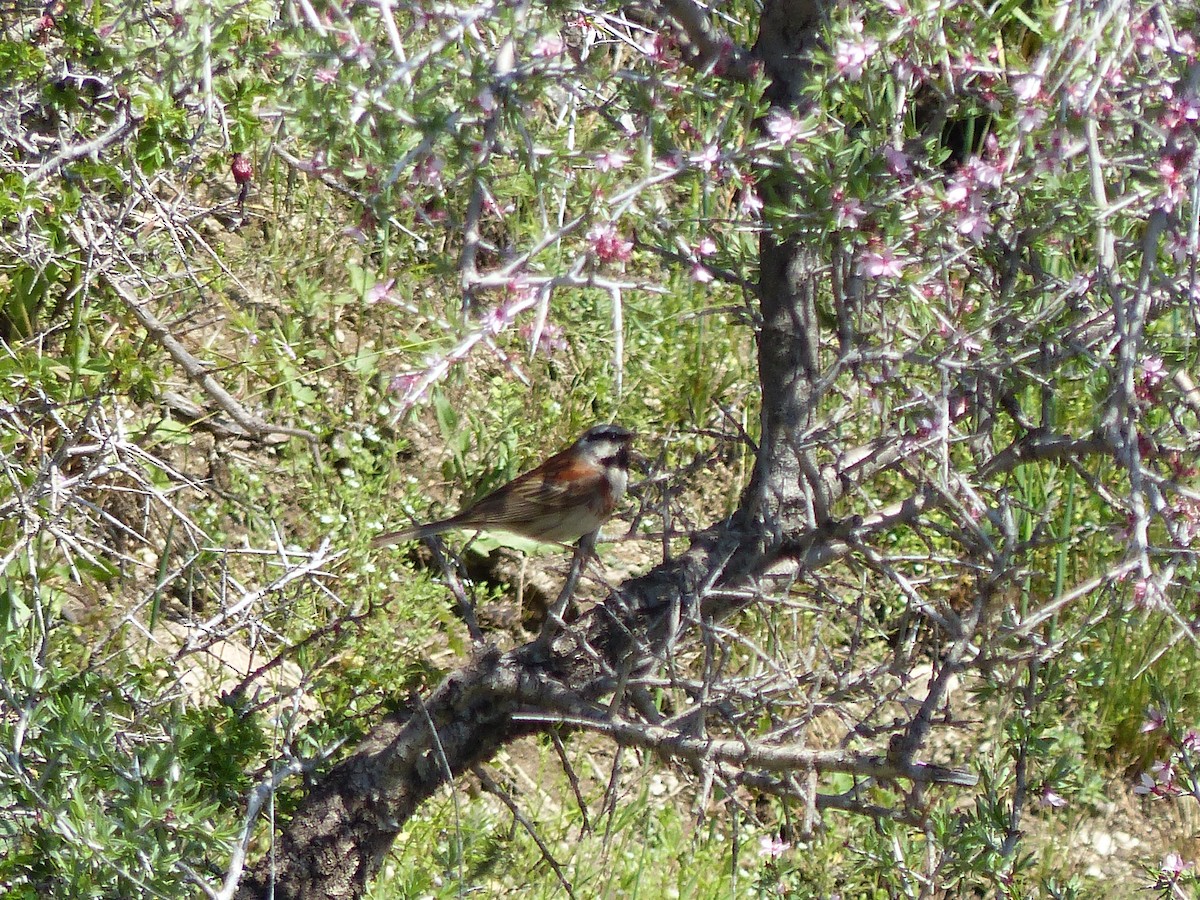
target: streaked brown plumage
568 496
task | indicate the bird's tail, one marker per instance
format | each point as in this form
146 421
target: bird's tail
412 533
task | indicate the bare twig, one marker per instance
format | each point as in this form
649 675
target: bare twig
489 785
120 127
195 369
670 744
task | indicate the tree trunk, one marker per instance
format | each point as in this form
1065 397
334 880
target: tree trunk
786 493
337 840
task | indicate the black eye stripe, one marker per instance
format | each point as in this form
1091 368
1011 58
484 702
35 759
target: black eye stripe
619 458
614 433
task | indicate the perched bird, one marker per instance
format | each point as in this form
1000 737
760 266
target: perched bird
568 496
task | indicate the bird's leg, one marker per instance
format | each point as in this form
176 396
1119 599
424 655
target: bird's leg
464 603
584 550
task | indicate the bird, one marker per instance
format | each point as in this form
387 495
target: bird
566 498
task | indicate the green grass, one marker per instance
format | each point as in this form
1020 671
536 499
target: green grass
124 521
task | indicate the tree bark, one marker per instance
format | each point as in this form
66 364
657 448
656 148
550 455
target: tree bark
337 839
786 493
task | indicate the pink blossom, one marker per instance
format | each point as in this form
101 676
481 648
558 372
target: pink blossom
850 56
1188 108
552 339
1026 87
1158 782
1180 114
881 264
1030 117
1077 93
849 213
708 159
610 160
498 318
1154 720
897 162
1174 184
1185 512
1146 593
364 54
549 46
782 126
983 173
773 847
428 172
327 75
403 383
957 194
706 247
750 203
1180 246
964 196
1173 865
1148 37
700 274
1050 800
1154 371
659 49
973 223
380 291
519 291
608 245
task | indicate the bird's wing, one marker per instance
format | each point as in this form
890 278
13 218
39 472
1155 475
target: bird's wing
558 485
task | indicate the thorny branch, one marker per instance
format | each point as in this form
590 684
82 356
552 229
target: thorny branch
195 369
